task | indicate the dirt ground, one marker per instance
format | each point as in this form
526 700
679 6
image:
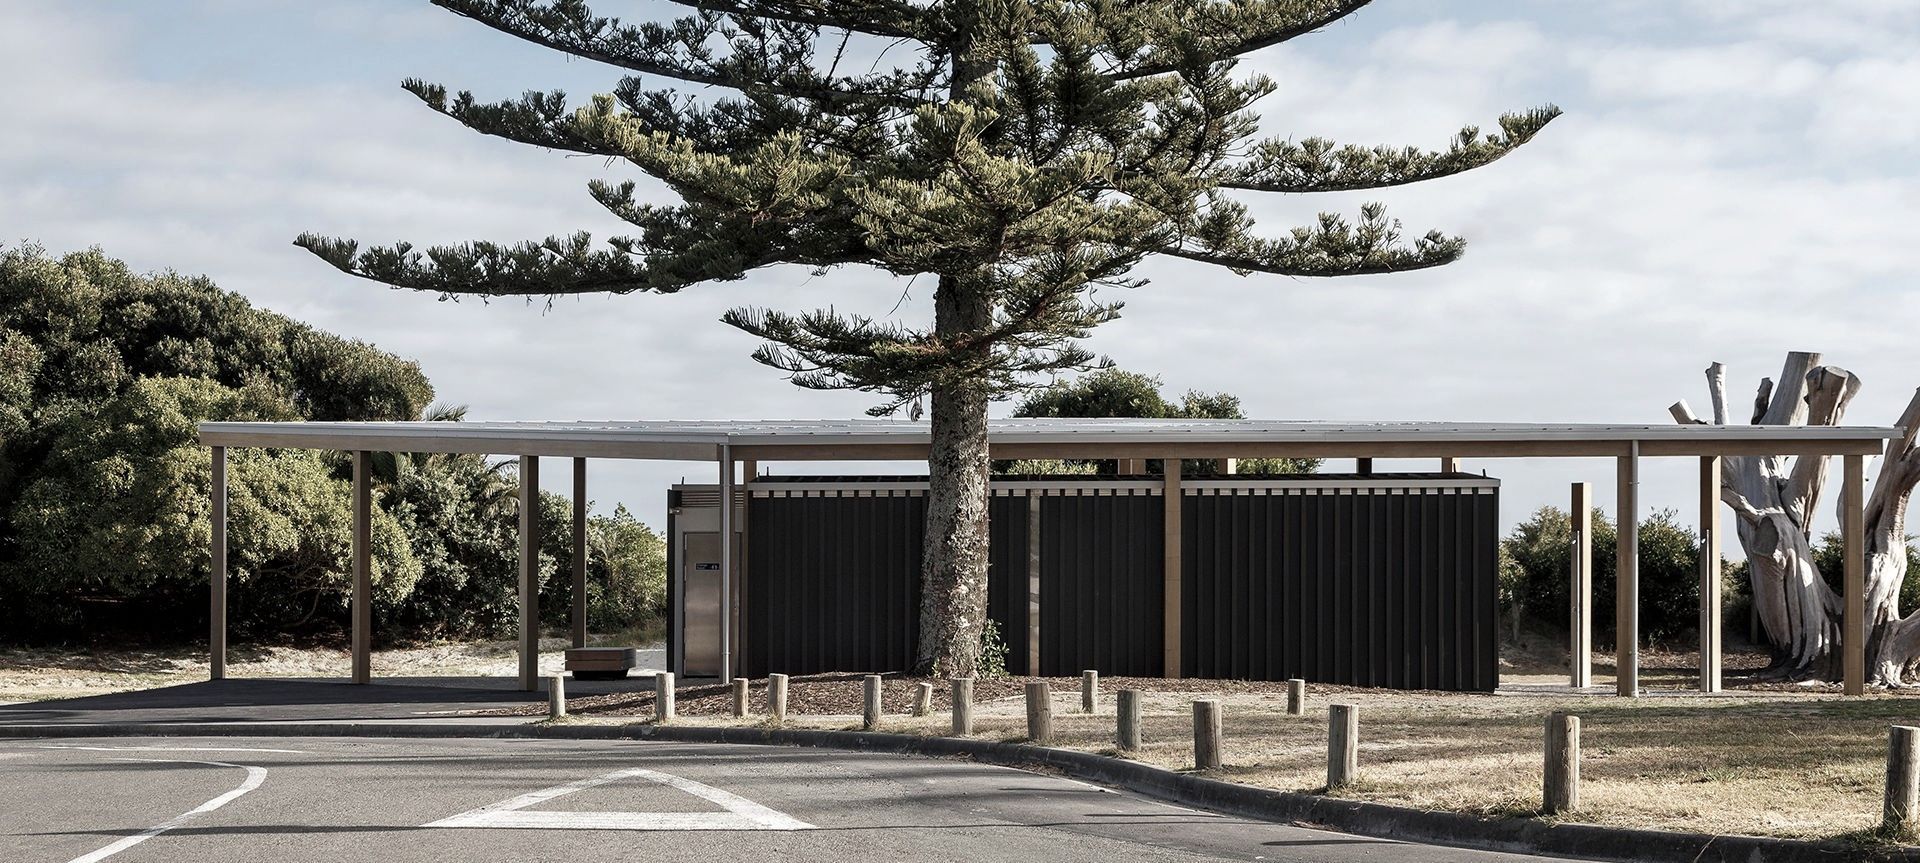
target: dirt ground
37 675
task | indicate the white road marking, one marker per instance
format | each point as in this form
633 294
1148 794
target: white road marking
174 749
255 776
741 814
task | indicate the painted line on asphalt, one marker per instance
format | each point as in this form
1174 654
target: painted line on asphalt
174 749
255 776
740 814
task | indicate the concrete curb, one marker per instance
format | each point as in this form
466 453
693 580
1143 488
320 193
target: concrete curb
1523 835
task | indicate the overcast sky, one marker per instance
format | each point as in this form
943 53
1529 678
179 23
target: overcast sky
1733 179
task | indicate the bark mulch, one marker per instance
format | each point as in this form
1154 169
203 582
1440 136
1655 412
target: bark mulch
841 694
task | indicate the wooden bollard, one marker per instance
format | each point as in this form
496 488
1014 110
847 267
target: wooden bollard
777 697
1296 697
1561 791
1089 691
663 697
1343 744
923 699
739 697
870 702
962 705
1126 734
1206 734
556 696
1039 712
1902 805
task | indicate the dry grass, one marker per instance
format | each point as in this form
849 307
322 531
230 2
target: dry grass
28 674
1794 764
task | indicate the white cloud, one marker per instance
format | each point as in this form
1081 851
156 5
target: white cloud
1703 199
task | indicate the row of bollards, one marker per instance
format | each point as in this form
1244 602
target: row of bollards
1560 791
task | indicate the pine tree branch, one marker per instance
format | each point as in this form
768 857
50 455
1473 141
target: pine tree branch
779 64
1333 247
1208 31
1318 165
897 20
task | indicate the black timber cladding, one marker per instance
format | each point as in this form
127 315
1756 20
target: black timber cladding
1371 580
1368 587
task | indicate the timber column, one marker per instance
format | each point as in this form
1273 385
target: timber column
1626 595
217 586
1170 570
530 573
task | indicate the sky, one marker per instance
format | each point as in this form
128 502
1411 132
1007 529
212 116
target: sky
1733 179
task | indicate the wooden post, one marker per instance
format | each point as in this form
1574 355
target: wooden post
1363 466
1039 712
556 696
1132 466
1853 533
1126 736
1449 465
962 705
1296 697
1170 664
663 696
579 616
1089 691
1229 466
923 699
1626 591
217 586
362 566
1710 574
1902 803
529 572
1343 744
739 697
1033 583
1206 734
1561 786
726 563
1580 590
870 702
777 697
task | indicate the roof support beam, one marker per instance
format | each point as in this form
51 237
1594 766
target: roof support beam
1710 574
1853 535
726 563
1170 570
579 597
1626 591
362 566
529 573
1580 612
217 588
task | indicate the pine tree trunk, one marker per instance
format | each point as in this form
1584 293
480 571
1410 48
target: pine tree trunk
953 574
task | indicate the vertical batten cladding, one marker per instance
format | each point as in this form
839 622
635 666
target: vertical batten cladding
1370 584
1100 580
1006 577
1376 581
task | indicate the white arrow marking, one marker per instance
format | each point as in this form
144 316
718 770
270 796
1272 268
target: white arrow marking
255 776
741 814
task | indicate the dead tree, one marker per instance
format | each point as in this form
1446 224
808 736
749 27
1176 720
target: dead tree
1774 499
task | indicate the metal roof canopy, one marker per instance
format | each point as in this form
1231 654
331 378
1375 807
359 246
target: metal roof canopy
889 440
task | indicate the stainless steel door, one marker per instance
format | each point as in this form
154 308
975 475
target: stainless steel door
700 621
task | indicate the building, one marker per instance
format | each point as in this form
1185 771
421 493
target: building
730 445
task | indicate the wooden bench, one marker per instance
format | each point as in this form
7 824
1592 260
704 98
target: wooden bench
602 663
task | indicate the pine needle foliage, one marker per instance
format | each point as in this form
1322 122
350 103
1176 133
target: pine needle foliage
1031 152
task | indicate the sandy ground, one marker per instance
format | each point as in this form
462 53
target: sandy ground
37 675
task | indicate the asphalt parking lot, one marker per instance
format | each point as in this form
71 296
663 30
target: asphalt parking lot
301 799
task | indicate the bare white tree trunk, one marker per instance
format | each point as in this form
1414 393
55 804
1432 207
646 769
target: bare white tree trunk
1774 498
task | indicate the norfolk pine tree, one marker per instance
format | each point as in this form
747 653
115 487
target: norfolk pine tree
1021 153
